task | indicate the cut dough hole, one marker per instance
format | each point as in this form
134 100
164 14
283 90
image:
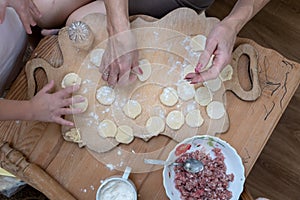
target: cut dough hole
107 128
145 65
81 105
226 73
70 79
169 96
198 43
194 119
215 110
213 84
155 125
203 96
175 119
105 95
124 134
185 90
132 109
96 56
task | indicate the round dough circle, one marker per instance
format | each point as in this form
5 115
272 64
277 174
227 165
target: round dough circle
198 43
105 95
132 109
70 79
188 69
82 105
145 65
124 134
175 119
194 119
107 128
155 125
215 110
213 84
203 96
226 73
96 56
169 96
185 90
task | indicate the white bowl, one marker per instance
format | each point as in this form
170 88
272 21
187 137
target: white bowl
232 161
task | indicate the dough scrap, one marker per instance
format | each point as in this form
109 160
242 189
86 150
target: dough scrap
145 65
203 96
169 96
226 73
185 90
155 125
107 128
194 119
213 84
82 105
132 109
105 95
73 135
124 134
215 110
175 119
198 43
96 56
70 79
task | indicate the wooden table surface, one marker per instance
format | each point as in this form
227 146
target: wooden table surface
80 173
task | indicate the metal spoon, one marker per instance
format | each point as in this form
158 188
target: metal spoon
190 165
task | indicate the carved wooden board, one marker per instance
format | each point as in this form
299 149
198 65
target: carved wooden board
166 45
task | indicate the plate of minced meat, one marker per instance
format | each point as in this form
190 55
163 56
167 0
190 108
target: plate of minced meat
222 177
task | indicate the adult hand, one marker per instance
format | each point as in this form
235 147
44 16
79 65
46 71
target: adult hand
51 107
120 60
26 9
219 43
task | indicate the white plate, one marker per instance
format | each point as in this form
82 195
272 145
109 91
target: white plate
232 161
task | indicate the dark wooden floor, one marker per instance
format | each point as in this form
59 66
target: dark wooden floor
276 175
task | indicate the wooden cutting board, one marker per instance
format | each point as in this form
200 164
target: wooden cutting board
165 43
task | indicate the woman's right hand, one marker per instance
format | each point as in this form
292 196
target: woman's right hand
26 9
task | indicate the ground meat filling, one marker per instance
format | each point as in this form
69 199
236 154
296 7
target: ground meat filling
211 183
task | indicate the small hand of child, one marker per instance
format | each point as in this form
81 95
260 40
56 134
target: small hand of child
51 107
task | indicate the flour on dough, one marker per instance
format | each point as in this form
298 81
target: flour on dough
194 119
226 73
70 79
132 109
155 125
198 43
215 110
213 84
203 96
175 119
96 56
168 96
82 105
107 128
185 90
145 65
124 134
105 95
